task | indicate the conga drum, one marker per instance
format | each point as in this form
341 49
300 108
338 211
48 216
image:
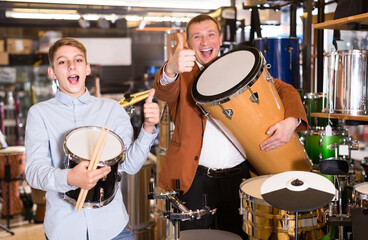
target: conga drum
237 92
13 163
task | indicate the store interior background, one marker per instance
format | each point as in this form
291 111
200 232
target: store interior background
126 46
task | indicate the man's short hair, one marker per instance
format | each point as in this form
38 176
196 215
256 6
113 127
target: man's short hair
201 18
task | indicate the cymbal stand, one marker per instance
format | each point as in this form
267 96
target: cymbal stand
175 210
296 225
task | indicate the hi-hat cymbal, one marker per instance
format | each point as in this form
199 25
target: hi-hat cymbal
298 191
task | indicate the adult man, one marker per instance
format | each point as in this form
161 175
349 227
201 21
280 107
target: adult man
197 144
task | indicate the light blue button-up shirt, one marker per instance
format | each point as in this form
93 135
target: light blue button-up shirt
47 125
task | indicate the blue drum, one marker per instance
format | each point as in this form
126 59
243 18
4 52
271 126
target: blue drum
282 54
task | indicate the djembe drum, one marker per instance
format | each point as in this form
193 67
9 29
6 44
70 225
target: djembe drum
13 163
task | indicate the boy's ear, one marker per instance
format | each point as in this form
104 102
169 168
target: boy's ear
88 70
51 73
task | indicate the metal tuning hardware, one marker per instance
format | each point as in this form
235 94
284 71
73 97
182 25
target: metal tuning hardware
253 96
227 112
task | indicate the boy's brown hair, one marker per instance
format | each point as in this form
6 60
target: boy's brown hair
67 41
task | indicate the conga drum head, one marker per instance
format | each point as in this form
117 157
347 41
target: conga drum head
242 66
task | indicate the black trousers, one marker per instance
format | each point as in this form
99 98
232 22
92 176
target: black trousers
222 194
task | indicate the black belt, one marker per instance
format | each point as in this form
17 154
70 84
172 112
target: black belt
219 172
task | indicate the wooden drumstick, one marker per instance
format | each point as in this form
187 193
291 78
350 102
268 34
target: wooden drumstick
94 162
95 151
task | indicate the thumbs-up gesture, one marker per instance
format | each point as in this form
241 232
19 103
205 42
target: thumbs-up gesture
151 113
182 60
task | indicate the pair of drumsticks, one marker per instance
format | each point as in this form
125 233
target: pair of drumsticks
93 164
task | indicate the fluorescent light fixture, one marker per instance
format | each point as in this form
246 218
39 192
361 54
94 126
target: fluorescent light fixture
91 17
41 15
177 4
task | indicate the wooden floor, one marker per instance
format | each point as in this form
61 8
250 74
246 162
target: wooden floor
23 230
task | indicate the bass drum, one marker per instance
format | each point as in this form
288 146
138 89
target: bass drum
262 221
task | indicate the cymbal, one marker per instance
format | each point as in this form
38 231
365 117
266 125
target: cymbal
298 191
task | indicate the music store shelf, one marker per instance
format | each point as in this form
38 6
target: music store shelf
356 22
363 118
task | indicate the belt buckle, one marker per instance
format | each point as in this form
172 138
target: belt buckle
208 172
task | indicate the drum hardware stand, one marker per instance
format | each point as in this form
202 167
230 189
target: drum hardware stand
180 212
339 219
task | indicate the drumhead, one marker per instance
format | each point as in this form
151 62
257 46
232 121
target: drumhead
361 188
13 150
252 186
81 142
227 75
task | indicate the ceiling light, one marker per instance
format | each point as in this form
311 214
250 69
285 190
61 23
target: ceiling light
185 4
83 22
103 23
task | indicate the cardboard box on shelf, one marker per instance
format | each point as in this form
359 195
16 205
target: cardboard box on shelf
2 49
4 58
19 46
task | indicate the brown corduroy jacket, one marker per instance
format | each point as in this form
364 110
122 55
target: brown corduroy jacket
183 153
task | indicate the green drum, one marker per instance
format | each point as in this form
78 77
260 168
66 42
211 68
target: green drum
316 102
319 146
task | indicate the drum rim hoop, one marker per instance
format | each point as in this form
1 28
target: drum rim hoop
236 90
107 162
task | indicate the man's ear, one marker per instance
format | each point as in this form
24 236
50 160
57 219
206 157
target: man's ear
51 73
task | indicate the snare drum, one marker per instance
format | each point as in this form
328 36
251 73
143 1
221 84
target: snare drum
262 221
78 146
239 95
360 195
